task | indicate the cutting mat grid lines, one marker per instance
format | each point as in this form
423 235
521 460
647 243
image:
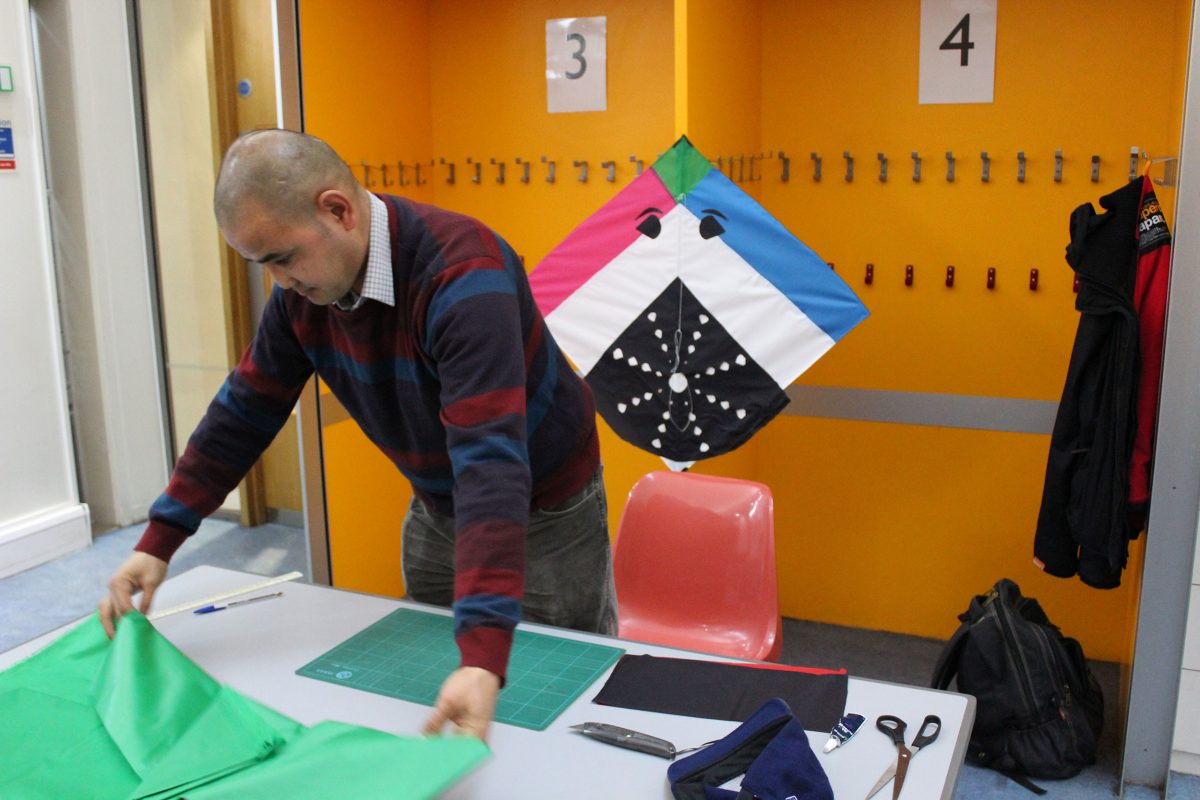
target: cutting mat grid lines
408 654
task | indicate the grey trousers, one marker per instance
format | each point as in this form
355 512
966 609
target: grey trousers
568 561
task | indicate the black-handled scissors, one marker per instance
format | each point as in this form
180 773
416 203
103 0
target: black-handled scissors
895 727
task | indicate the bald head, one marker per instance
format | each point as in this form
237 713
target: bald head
283 172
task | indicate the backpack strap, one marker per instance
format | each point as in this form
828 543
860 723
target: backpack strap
947 664
1018 778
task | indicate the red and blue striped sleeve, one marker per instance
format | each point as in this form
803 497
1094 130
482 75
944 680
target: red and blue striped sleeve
251 406
473 332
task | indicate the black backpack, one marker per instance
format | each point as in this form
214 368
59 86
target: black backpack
1038 709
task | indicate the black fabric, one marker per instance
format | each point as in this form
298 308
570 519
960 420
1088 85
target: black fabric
721 398
1084 524
1039 710
722 691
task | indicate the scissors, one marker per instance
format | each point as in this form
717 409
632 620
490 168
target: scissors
894 727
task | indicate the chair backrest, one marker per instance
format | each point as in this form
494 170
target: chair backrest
694 562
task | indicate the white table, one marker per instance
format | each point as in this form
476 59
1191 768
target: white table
257 648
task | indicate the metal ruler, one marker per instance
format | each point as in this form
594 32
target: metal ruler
216 598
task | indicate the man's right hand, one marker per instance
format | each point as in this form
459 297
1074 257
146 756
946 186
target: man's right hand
140 572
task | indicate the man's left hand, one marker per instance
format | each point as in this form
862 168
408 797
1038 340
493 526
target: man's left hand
468 700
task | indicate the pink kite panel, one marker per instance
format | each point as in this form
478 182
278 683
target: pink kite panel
597 241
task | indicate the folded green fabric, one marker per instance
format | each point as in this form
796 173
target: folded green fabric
135 718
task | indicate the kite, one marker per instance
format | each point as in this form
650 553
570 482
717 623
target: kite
689 309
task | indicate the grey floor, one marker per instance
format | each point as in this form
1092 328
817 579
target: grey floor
54 594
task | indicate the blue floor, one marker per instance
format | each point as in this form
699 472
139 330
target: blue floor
43 598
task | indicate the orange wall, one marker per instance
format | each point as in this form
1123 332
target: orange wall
882 526
891 526
430 81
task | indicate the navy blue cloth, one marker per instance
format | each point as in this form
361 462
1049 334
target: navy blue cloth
770 748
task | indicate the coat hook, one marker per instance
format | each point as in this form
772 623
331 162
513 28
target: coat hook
1033 279
450 175
870 277
417 174
1058 161
611 166
524 169
582 171
908 275
741 165
950 277
991 278
762 158
949 167
987 166
785 174
478 176
500 168
638 162
1095 169
549 169
752 159
882 167
367 174
916 157
816 159
384 172
1133 162
1020 166
849 166
400 173
1169 168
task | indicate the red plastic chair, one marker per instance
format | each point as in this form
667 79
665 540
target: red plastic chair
694 562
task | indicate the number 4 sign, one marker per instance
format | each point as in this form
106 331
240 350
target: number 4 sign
958 51
576 78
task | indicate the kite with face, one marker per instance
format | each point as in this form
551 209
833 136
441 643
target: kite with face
689 309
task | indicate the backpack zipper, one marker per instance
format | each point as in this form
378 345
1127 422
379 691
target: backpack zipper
1011 639
1064 702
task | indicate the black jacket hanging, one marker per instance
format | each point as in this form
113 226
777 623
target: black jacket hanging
1083 526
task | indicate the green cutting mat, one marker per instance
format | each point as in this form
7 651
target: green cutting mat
408 654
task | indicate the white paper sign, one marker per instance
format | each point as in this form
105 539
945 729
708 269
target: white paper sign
958 51
576 64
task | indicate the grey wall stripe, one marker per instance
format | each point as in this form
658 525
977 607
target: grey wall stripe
923 408
876 405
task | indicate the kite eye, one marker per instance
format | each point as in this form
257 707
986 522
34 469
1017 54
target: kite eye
709 227
651 226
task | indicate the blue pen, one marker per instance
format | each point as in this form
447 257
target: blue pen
211 609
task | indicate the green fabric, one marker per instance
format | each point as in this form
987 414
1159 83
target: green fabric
136 719
681 168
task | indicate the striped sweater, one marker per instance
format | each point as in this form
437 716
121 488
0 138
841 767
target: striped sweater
460 385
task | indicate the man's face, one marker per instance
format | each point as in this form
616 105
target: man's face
317 258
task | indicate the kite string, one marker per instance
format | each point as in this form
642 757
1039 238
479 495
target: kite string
677 365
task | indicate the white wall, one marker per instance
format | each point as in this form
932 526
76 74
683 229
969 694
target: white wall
1186 749
40 513
102 251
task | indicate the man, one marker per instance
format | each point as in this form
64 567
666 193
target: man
422 323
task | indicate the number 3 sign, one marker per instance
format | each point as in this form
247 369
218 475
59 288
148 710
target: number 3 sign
576 67
958 51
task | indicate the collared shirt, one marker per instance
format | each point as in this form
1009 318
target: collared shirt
377 283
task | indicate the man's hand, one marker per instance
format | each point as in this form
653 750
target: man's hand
140 572
467 699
